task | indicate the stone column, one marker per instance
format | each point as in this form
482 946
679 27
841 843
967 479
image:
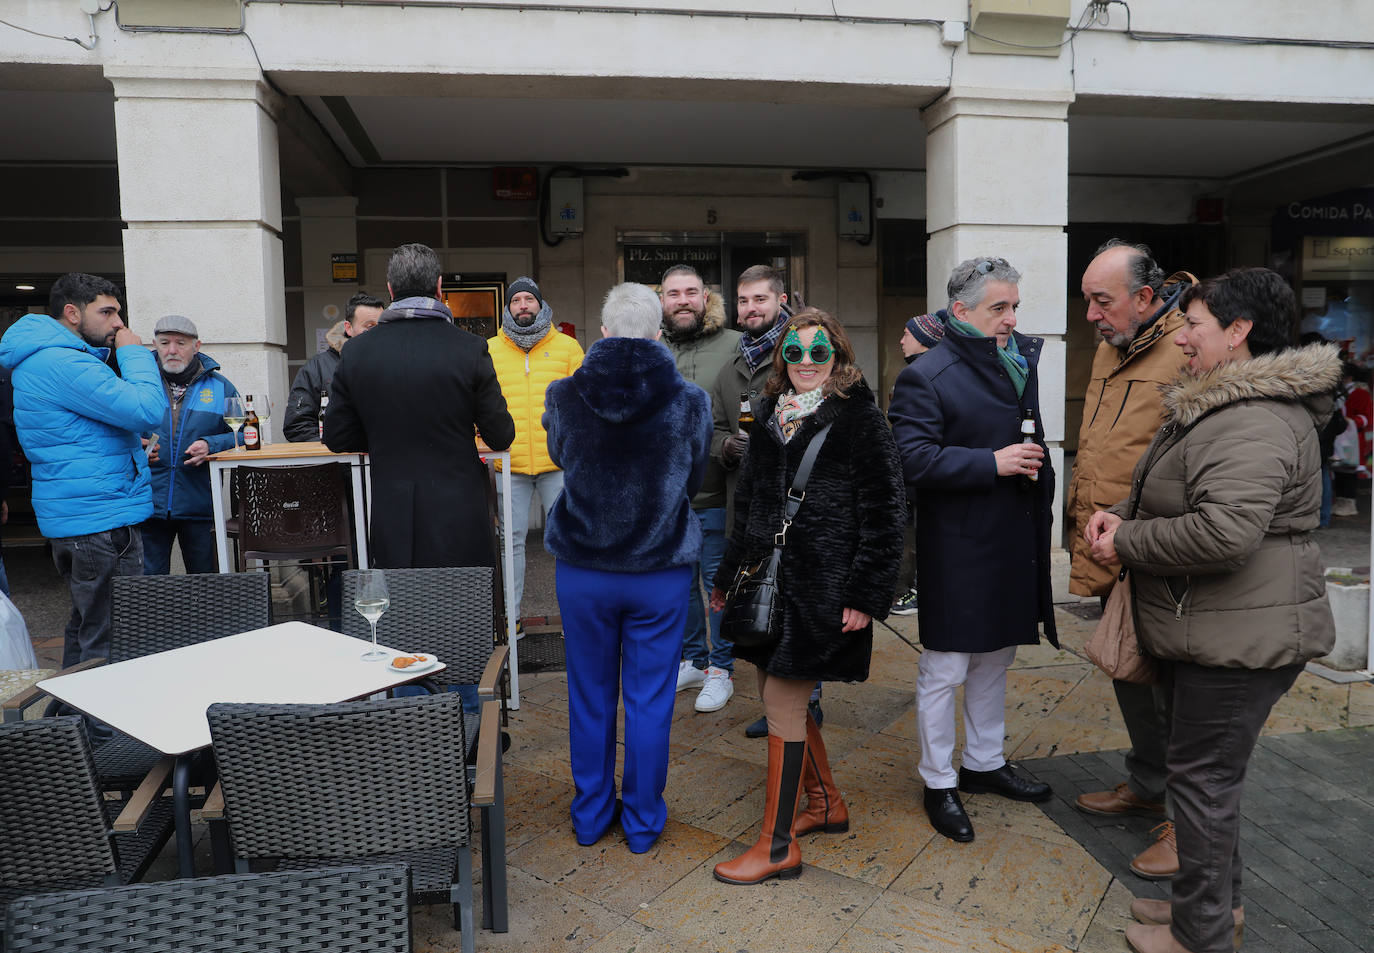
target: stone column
200 190
997 184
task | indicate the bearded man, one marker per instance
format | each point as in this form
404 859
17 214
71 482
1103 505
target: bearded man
694 331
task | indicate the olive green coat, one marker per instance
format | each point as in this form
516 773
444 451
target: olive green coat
1224 567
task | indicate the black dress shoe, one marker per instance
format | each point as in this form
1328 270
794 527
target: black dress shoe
757 729
1003 781
946 813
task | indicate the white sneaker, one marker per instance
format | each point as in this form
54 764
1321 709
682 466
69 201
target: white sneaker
719 686
688 675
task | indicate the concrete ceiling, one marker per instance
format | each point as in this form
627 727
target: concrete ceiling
78 126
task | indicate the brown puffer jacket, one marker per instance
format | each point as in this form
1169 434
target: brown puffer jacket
1224 567
1121 415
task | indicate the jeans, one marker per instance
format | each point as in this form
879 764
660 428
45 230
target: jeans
1218 714
522 488
719 654
197 539
87 564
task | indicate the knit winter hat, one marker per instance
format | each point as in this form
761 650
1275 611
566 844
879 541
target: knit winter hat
523 284
928 329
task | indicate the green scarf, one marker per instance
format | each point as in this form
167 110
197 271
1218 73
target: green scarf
1018 368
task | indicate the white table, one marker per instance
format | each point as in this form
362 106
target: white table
161 699
285 455
299 454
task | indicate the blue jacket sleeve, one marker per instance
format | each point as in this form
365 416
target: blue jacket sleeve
135 402
549 421
918 426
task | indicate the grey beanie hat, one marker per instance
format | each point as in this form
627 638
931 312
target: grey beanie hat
523 284
176 324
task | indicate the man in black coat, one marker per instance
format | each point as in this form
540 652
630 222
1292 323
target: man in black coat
982 532
314 378
409 393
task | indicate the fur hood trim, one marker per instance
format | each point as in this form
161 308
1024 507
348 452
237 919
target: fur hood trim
336 336
1293 374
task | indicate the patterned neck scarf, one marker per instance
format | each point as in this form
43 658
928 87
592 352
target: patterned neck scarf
760 349
793 408
526 338
1018 368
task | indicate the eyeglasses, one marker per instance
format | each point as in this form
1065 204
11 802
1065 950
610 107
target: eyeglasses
985 267
820 353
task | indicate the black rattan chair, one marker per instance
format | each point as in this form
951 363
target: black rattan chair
353 783
295 513
448 613
150 614
55 824
339 910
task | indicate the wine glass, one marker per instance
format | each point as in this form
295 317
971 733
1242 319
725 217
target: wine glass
234 416
264 410
371 601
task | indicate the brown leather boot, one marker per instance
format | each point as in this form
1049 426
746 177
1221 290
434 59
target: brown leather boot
776 852
1147 910
825 809
1159 861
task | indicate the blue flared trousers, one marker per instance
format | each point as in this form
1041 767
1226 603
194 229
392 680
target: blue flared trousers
622 633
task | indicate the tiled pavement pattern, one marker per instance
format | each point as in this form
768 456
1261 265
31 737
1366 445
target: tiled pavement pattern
1307 829
891 884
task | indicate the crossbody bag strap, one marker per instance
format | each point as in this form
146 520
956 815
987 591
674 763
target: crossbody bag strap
797 492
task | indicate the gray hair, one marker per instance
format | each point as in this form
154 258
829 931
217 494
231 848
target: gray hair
969 280
1142 269
413 272
631 311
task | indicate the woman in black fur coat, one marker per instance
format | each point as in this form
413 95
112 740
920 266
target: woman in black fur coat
838 569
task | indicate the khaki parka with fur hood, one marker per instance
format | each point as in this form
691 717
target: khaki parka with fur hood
1224 569
699 359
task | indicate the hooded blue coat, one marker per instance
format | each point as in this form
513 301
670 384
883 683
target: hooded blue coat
982 540
182 492
79 424
633 439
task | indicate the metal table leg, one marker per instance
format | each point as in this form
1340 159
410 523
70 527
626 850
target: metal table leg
181 810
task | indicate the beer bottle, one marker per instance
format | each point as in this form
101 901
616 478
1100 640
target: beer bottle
252 440
324 405
746 413
1028 436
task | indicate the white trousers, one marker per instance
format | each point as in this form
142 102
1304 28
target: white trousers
984 677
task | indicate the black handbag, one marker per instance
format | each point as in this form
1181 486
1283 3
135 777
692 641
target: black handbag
753 606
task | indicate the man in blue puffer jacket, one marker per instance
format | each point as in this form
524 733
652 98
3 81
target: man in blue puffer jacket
192 428
79 423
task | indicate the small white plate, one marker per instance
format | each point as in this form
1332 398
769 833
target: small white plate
429 662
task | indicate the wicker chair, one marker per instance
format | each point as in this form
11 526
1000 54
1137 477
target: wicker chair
55 824
339 910
151 614
352 783
448 613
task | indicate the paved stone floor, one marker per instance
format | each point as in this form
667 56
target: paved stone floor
891 884
1034 880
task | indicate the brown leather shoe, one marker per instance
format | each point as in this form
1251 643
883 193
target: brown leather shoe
1159 861
1121 801
1161 911
1154 938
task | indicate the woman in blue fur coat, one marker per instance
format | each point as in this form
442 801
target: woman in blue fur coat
839 566
633 439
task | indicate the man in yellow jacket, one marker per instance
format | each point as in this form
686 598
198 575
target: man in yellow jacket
529 354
